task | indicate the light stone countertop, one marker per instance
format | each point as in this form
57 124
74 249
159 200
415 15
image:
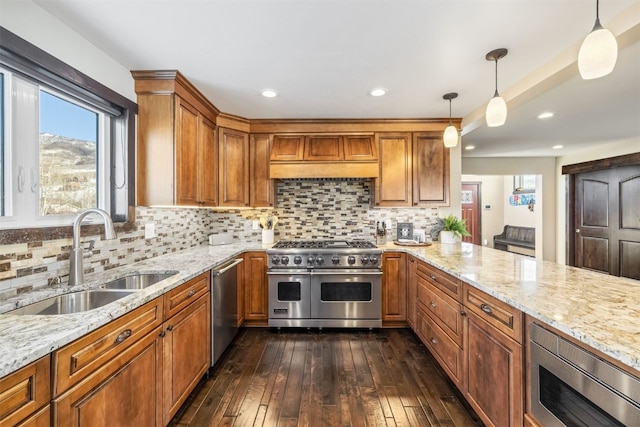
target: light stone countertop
597 309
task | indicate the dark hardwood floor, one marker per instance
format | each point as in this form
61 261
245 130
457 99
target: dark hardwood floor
326 378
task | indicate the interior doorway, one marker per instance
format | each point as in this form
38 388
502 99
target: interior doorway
471 213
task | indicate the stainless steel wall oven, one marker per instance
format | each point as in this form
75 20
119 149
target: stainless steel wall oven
325 283
572 387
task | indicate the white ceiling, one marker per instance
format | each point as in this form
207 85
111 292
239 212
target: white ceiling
323 56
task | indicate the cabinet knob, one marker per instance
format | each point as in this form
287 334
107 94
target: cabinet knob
463 313
433 277
191 293
434 341
433 304
170 328
163 333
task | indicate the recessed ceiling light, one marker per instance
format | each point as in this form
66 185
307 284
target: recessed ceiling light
469 147
379 91
557 147
545 115
269 93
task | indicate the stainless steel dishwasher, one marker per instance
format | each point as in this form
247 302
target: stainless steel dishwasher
224 307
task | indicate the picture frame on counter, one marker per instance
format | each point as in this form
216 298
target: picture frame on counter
405 231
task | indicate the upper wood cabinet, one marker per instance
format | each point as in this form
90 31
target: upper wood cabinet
360 148
414 170
393 186
176 150
287 148
233 182
262 189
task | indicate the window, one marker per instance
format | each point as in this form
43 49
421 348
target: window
65 141
524 184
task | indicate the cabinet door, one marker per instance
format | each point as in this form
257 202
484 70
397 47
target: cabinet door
323 148
25 391
287 148
40 419
394 287
360 148
240 295
208 165
122 392
261 186
393 187
412 289
186 154
187 353
430 170
494 374
256 303
234 168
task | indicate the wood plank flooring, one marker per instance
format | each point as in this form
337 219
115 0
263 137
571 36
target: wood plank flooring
326 378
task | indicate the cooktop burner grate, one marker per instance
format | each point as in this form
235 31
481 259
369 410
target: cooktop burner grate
323 244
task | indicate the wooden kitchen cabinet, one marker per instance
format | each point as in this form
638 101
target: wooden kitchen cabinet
414 170
176 147
233 181
439 319
24 394
494 356
393 186
360 148
42 418
323 148
112 375
123 391
394 287
256 305
186 355
412 289
262 190
287 148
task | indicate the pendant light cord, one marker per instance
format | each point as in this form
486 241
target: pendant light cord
597 25
496 93
450 124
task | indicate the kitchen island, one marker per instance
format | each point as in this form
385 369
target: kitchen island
597 309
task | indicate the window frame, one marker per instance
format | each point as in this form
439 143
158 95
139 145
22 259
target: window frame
22 58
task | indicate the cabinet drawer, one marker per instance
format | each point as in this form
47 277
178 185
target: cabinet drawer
443 348
444 310
25 391
447 283
178 298
497 313
75 361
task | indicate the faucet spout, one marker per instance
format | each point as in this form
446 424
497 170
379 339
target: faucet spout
76 269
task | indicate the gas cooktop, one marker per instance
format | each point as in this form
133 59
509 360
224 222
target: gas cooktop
324 244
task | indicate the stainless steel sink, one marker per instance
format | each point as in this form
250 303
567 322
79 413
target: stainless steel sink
137 281
74 302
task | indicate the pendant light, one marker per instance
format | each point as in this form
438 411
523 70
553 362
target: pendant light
496 113
450 136
599 51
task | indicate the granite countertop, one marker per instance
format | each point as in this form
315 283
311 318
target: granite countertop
597 309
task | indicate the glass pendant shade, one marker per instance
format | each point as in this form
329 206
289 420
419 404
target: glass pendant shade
450 136
496 113
598 54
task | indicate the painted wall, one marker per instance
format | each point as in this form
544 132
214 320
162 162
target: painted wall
29 21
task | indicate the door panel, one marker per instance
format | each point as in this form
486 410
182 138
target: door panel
607 221
470 204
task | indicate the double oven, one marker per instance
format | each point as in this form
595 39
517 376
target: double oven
325 283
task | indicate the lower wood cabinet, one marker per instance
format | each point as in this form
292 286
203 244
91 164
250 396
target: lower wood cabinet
186 353
124 391
24 393
412 289
140 368
394 287
256 289
477 340
42 418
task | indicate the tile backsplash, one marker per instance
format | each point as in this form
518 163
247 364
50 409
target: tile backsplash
306 209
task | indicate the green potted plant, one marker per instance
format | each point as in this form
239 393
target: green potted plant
453 229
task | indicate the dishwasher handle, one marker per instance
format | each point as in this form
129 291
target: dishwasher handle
225 267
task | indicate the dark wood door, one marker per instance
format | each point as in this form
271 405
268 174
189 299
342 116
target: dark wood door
607 221
394 287
470 204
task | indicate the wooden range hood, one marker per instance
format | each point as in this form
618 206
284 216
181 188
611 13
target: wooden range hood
324 156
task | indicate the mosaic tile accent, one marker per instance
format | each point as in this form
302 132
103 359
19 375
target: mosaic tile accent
323 208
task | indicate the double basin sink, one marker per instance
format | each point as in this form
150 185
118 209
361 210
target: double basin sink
76 302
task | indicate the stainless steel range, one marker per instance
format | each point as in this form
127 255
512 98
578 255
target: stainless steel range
325 283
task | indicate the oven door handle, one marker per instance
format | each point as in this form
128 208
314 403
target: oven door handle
345 273
288 273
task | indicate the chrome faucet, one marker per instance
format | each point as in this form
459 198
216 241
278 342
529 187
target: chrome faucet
76 269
